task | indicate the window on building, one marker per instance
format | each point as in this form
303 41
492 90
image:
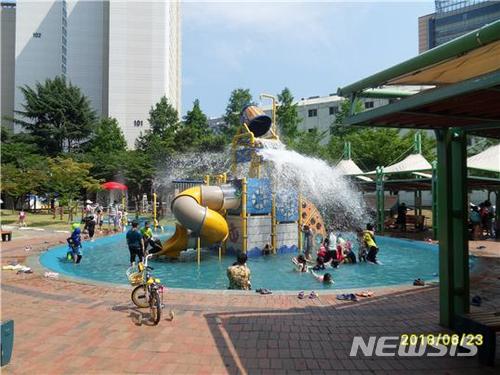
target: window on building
313 113
334 110
368 105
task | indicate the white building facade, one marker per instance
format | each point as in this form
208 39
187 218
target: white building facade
7 61
124 55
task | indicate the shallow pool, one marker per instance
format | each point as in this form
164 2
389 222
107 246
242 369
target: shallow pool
106 260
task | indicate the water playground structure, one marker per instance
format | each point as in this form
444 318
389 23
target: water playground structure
246 212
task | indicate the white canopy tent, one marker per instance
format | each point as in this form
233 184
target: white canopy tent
348 167
488 160
412 163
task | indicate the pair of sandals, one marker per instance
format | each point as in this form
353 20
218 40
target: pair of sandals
418 282
312 295
347 297
365 293
264 291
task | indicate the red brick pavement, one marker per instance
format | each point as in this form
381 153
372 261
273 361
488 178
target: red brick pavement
63 327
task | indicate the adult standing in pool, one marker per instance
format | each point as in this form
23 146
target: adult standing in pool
239 274
135 243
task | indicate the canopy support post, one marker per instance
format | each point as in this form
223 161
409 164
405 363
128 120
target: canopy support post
452 217
379 194
434 192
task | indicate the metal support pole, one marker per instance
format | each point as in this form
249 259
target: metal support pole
244 220
460 221
452 219
497 215
198 250
434 193
299 222
155 222
273 224
379 194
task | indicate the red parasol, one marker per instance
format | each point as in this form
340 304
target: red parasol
111 185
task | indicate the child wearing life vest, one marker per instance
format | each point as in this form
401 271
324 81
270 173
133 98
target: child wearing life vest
75 244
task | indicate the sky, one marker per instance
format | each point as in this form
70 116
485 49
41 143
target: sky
310 47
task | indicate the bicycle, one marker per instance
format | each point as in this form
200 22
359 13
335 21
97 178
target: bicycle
147 289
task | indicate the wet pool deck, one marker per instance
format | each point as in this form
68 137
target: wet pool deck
67 327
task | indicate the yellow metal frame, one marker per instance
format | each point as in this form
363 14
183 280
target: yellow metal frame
299 222
273 224
155 222
244 218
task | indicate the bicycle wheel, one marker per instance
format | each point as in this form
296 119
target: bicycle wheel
139 296
155 307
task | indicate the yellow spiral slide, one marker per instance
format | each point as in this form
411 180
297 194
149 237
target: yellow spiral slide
198 212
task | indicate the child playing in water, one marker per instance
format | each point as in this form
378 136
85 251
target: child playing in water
349 255
325 279
75 244
300 263
370 244
320 264
362 248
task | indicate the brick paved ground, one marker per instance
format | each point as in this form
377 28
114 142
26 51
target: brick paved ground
66 327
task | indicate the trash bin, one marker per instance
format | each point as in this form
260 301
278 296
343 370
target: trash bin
7 343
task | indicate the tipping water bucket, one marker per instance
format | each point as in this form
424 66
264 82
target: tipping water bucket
257 121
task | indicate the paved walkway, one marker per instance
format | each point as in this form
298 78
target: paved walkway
65 327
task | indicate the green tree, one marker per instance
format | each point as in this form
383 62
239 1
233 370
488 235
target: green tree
17 182
238 100
195 134
67 179
105 150
338 128
139 172
57 114
160 140
23 170
197 122
287 116
309 143
374 147
107 137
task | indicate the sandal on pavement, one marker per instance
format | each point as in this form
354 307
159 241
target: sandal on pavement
301 295
476 301
365 293
313 295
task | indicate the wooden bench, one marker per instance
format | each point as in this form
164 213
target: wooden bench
6 235
486 324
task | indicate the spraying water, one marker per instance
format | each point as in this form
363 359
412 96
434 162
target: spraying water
338 200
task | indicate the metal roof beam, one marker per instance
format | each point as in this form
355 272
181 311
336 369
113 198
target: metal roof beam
452 117
428 97
456 47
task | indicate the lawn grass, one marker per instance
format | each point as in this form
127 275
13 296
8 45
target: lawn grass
46 221
37 220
